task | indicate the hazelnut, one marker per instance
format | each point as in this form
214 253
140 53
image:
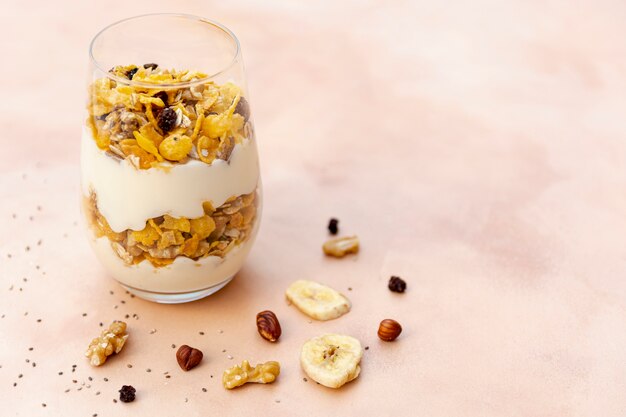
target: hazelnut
268 326
188 357
389 330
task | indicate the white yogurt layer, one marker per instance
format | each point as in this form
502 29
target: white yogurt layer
128 197
183 275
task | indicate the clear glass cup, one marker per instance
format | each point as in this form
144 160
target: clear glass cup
170 180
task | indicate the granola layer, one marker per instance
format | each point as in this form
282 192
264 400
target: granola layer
149 120
165 238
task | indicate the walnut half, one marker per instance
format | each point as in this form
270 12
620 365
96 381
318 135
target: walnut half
109 342
263 373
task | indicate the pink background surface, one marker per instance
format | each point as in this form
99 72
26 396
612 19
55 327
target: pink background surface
476 147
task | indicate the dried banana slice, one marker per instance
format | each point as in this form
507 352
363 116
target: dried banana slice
317 301
332 359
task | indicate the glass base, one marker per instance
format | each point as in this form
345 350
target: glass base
176 298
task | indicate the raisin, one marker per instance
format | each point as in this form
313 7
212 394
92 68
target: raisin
333 226
130 74
397 284
243 108
127 394
162 95
167 119
151 65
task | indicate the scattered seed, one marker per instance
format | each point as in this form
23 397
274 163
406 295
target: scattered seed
148 370
203 389
153 331
43 405
90 378
84 314
367 348
201 333
305 380
173 346
106 379
129 366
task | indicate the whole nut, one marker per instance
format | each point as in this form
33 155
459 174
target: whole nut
268 326
389 330
188 357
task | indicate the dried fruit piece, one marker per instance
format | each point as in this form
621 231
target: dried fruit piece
397 284
131 73
263 373
167 119
268 326
332 359
341 246
127 394
175 147
188 357
110 341
151 65
389 330
317 301
163 96
333 226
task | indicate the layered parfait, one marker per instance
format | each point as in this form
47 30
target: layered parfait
170 178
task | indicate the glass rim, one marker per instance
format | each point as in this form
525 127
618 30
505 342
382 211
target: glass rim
183 84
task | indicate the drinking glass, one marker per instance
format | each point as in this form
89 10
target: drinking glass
170 180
